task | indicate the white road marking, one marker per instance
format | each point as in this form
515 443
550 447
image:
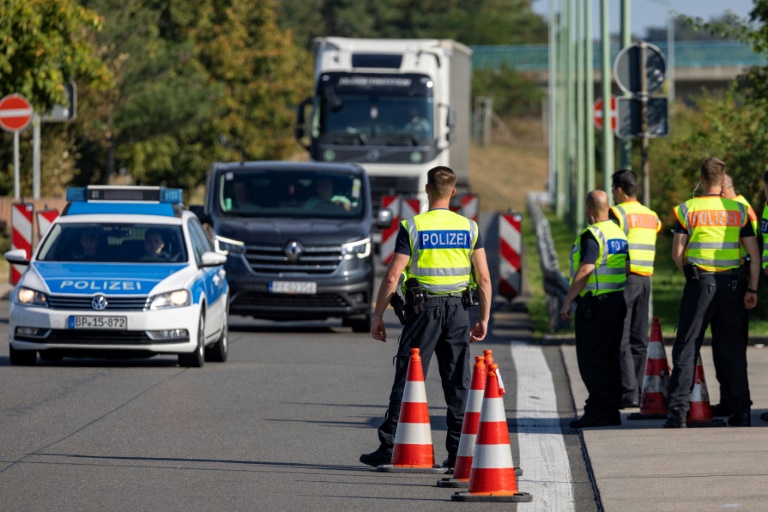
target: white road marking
546 469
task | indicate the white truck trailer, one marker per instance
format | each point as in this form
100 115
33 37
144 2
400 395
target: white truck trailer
398 107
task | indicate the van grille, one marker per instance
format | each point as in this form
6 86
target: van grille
313 260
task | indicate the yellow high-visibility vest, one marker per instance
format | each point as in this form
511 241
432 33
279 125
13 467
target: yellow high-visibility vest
713 224
752 219
764 231
641 225
610 272
442 243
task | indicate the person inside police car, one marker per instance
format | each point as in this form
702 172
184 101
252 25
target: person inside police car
436 252
88 246
154 245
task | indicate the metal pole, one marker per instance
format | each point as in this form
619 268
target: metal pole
562 109
590 101
552 103
625 145
571 74
35 156
671 51
16 186
643 96
607 134
580 117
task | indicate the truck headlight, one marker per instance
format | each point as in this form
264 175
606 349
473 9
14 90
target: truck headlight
175 299
30 297
227 245
361 249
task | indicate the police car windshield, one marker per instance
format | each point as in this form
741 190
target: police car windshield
287 193
114 243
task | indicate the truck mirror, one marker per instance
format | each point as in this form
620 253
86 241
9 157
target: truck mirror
299 130
450 136
384 218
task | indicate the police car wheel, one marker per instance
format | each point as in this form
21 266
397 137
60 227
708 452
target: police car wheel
197 358
22 357
218 352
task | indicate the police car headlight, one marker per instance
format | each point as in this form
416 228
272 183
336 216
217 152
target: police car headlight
176 299
361 249
227 245
30 297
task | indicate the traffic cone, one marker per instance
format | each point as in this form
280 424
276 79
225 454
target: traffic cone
700 413
488 356
413 451
493 474
653 398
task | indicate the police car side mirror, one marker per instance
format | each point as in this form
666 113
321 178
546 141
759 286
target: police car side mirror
212 259
199 211
17 257
384 218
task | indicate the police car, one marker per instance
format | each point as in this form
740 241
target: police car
124 271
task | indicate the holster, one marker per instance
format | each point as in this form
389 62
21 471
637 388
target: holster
469 298
414 299
398 305
691 273
586 304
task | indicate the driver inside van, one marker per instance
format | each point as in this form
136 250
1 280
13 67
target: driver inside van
325 196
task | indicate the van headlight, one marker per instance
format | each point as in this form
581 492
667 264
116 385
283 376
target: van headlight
361 249
175 299
227 245
30 297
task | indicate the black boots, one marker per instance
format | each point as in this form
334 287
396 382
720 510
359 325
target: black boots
382 455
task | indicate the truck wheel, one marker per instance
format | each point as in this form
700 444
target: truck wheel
359 323
197 358
22 357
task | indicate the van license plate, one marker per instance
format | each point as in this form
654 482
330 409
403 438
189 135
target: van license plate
293 287
98 322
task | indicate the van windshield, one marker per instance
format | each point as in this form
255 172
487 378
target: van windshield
286 193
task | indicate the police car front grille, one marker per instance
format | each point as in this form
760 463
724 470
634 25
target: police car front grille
84 303
96 337
313 260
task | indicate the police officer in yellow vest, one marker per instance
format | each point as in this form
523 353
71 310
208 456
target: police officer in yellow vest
599 266
706 247
436 250
641 225
723 408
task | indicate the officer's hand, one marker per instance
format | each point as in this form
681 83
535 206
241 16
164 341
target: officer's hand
565 312
478 331
378 331
750 300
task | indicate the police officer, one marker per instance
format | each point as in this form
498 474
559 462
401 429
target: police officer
724 408
599 266
641 225
438 249
705 247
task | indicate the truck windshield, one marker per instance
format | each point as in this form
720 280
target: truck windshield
390 110
286 193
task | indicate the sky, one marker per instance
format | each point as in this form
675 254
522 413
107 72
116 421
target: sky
652 13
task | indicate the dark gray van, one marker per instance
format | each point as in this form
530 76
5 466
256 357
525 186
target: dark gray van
297 236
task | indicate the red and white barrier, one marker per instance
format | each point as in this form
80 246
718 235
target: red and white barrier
409 208
388 235
468 206
510 251
44 220
21 235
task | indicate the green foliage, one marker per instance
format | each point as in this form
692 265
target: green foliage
513 93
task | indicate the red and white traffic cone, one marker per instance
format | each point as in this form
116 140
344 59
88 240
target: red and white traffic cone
653 398
493 474
700 413
413 451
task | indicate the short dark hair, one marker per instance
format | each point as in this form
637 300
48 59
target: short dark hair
712 171
626 180
441 181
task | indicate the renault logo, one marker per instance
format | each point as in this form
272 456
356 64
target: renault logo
99 302
293 250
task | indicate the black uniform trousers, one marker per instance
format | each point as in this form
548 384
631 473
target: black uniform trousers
634 342
598 341
443 328
717 299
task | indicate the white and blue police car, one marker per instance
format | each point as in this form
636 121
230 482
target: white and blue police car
123 271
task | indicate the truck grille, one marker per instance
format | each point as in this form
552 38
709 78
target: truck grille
84 303
314 260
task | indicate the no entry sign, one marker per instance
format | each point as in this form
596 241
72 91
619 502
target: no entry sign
597 113
15 113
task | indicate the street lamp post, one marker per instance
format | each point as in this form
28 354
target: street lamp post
670 46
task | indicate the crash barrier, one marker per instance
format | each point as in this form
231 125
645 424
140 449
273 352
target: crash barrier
510 255
21 235
555 283
48 203
44 220
388 235
468 205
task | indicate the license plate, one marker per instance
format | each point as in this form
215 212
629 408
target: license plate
98 322
293 287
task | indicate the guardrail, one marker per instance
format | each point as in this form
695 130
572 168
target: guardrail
555 283
688 54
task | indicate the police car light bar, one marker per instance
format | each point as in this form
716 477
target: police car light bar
132 194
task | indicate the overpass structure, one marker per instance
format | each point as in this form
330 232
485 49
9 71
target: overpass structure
698 64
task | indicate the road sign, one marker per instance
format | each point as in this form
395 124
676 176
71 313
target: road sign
629 121
626 68
15 113
597 113
67 111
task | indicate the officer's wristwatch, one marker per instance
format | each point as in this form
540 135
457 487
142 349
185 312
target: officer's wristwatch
750 290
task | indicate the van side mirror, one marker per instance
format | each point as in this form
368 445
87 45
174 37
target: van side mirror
384 218
300 122
199 211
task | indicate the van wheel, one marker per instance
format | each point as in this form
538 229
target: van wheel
358 323
22 357
49 356
197 358
218 352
